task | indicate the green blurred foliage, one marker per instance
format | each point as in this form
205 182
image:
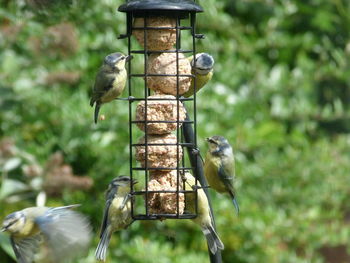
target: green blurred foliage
281 89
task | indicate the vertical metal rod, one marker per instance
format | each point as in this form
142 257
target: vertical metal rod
177 116
129 31
193 33
145 30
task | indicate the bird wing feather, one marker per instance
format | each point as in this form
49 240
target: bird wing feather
67 232
26 248
103 83
109 198
226 175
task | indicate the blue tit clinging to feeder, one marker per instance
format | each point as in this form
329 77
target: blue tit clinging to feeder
203 70
117 213
203 219
66 233
110 80
219 167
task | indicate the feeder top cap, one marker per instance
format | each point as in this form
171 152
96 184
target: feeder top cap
160 5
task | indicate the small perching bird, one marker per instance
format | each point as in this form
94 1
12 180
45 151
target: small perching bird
204 218
66 233
202 69
219 167
117 213
110 80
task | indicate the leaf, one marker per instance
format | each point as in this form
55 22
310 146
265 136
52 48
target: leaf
10 187
6 245
11 164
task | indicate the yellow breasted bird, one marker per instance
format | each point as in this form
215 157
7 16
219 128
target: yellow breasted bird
110 80
65 232
203 219
219 167
117 213
202 69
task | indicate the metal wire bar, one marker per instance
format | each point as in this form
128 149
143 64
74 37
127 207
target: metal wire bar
142 121
162 75
163 216
183 144
131 98
146 107
162 27
193 33
163 191
162 168
159 51
128 34
177 116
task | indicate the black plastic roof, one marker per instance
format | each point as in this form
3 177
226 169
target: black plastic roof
160 5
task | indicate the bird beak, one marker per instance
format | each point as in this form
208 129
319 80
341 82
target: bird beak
134 181
207 139
128 58
3 229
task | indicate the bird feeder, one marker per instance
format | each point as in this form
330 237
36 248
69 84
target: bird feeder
157 109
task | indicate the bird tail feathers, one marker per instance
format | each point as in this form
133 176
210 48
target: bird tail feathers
92 101
101 250
235 203
97 110
213 239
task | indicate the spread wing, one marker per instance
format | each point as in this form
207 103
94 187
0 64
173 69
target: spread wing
67 232
112 190
26 248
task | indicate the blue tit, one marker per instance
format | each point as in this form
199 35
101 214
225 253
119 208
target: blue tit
203 70
110 80
204 218
219 167
117 213
66 233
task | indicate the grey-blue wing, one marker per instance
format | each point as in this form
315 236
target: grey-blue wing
26 248
109 198
103 83
68 233
226 176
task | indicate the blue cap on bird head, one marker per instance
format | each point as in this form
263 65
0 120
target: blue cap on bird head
113 58
216 139
123 179
204 61
12 219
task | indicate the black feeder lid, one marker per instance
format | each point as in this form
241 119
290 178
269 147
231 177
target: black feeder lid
140 8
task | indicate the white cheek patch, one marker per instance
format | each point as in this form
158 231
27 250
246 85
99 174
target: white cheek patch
227 151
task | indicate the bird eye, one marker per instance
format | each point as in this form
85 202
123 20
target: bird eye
10 224
212 141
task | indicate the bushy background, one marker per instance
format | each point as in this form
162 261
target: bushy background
280 94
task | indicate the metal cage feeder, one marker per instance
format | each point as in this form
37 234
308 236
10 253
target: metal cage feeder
185 129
